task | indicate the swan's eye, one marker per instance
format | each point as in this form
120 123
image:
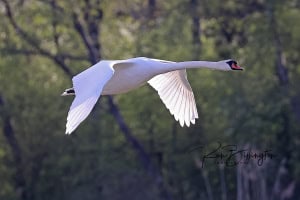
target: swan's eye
231 62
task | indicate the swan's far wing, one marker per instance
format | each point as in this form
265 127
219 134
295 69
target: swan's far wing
88 86
176 93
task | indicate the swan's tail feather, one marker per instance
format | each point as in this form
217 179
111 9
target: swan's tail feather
69 91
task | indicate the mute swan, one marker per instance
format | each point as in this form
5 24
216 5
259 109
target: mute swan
109 77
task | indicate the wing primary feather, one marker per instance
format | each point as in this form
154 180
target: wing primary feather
80 114
164 91
177 105
168 85
165 80
195 110
183 112
171 88
171 98
178 108
179 91
88 86
191 107
176 93
187 110
158 82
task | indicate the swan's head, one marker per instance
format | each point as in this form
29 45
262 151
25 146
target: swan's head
228 65
232 64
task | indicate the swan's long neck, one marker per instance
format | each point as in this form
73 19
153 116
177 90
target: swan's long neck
194 64
198 64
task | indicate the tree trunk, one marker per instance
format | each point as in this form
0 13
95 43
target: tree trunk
195 29
9 134
151 9
281 70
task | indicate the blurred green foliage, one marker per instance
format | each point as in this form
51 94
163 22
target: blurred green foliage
96 162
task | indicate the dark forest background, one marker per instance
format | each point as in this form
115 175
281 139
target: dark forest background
130 147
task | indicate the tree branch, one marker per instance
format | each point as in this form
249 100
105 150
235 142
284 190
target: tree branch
28 52
284 136
54 24
144 157
9 134
58 59
196 29
79 28
281 69
56 6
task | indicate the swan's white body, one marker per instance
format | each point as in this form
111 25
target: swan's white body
111 77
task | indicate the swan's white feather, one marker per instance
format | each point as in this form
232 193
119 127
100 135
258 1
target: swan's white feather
88 86
176 93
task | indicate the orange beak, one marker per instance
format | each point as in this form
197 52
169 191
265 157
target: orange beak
236 67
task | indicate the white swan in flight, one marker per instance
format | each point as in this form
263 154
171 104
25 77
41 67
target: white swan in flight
109 77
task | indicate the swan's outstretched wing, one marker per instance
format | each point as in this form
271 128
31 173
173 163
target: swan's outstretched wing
176 93
88 86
